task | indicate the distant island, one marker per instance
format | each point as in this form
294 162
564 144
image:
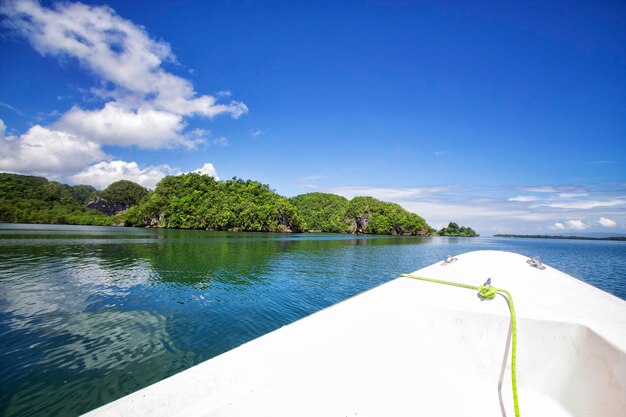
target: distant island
195 201
454 229
617 238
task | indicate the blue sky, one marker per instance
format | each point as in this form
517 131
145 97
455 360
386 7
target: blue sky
505 116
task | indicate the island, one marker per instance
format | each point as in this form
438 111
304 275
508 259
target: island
454 229
196 201
616 238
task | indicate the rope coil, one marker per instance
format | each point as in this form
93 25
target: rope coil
488 292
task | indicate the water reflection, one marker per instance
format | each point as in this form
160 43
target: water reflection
90 314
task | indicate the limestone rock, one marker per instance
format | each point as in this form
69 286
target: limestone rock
109 208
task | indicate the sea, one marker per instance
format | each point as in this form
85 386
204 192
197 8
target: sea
90 314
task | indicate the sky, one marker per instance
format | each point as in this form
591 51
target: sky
509 117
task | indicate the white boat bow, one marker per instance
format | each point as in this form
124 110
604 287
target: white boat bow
410 347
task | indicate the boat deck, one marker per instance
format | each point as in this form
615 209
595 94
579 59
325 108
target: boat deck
410 347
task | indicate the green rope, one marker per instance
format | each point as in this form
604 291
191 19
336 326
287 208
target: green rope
489 292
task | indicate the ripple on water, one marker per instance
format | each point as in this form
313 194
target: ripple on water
93 314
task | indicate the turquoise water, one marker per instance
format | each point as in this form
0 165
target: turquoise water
89 314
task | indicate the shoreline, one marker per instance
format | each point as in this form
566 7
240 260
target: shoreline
277 232
610 238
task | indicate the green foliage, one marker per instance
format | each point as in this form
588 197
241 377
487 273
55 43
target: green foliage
27 199
125 191
56 192
195 201
322 212
332 213
20 185
381 218
82 193
453 229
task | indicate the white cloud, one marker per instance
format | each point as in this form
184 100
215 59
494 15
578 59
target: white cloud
606 222
313 178
256 133
102 174
587 204
443 211
112 47
576 224
8 106
221 141
49 152
116 50
115 125
486 211
146 106
542 189
570 225
523 198
387 193
208 169
3 128
555 189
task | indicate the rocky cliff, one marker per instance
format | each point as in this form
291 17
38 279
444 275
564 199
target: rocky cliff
107 207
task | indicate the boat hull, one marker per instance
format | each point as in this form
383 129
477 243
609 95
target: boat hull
410 347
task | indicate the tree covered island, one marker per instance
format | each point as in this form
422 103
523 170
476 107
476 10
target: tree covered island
454 229
195 201
615 238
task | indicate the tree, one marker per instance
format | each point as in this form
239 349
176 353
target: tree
82 193
322 212
125 191
195 201
332 213
453 229
27 199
